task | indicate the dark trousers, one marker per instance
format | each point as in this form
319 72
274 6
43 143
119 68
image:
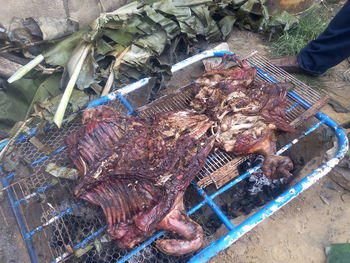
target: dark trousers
331 47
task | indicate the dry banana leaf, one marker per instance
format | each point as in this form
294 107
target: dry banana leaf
18 98
159 33
62 172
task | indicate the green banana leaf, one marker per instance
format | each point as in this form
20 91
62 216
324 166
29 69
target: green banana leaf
102 47
210 28
226 25
87 73
183 16
47 108
191 3
124 12
137 57
59 53
283 21
155 42
134 25
18 98
121 37
171 28
156 33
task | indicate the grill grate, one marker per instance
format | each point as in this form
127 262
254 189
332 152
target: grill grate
307 93
58 223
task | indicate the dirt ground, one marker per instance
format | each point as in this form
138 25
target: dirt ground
301 230
12 249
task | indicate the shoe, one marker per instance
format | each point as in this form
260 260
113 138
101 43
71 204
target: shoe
289 64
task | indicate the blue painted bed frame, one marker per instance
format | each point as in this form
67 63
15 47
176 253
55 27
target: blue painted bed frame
235 232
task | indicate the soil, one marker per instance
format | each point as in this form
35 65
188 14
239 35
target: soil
12 248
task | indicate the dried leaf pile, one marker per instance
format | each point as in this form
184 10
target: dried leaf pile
139 39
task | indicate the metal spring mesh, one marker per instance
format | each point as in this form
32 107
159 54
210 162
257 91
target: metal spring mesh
61 235
303 90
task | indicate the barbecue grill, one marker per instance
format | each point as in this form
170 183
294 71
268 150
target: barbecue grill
56 227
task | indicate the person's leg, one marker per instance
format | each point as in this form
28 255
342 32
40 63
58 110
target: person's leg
331 47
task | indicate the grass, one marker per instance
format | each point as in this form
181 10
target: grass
311 24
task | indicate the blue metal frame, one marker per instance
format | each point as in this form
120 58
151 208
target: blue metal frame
20 220
235 232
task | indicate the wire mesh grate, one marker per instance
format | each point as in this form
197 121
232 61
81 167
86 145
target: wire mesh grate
60 224
307 93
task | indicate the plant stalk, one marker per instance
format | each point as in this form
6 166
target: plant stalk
114 67
58 118
109 82
26 68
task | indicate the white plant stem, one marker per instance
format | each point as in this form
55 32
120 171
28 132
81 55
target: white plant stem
22 71
58 118
109 82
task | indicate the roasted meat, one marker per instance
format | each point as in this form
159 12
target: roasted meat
137 170
246 113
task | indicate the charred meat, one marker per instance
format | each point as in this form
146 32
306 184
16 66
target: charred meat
246 112
137 169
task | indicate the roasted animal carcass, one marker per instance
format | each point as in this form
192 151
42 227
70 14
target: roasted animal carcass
137 170
246 112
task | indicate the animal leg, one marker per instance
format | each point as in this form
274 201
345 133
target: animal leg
177 221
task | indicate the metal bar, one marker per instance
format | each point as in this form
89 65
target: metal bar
213 162
269 209
15 197
25 137
55 218
287 196
126 104
40 190
42 159
210 165
231 184
142 82
20 221
140 247
176 67
80 244
3 144
219 159
292 107
220 191
10 176
225 156
215 208
261 61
